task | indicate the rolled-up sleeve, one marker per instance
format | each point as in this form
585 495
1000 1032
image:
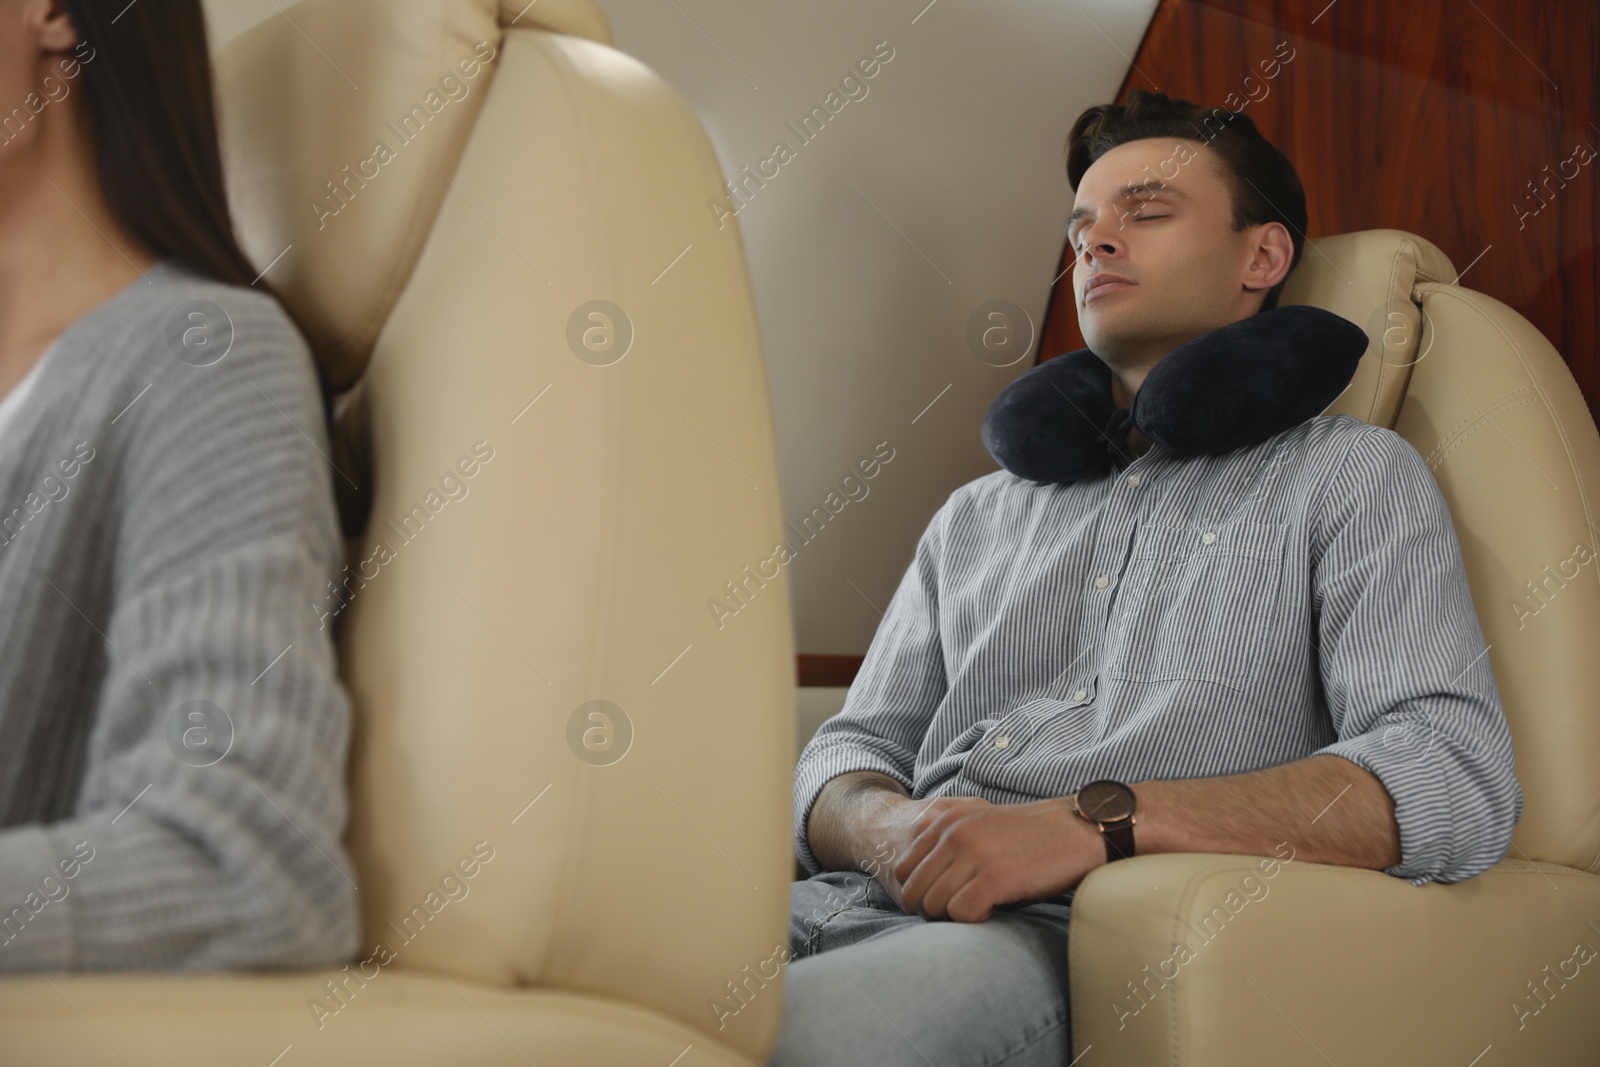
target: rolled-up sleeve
893 698
1404 664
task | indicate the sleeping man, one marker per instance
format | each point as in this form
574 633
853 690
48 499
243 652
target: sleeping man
1190 614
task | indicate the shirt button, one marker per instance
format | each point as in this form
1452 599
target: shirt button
1001 742
1208 537
1101 582
1133 479
1080 694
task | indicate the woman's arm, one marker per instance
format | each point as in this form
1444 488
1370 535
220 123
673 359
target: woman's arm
209 819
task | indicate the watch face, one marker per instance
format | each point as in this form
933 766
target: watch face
1106 801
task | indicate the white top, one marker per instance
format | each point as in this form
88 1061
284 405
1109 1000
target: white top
11 404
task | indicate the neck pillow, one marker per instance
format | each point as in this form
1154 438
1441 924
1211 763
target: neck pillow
1229 388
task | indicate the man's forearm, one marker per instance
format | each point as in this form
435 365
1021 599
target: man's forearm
1327 808
845 814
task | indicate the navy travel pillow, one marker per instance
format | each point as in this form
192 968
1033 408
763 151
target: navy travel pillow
1228 388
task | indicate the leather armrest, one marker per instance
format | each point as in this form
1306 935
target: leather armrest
1207 960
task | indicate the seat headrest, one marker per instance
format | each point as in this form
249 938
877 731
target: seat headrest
341 125
1370 277
574 18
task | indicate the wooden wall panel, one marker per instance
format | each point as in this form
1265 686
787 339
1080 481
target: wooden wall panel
826 670
1451 120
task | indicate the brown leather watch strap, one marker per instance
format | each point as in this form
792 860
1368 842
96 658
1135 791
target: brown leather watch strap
1119 840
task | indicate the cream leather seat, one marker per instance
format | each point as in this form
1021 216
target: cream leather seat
632 906
1313 964
631 859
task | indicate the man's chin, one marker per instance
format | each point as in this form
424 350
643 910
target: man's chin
1112 324
1113 345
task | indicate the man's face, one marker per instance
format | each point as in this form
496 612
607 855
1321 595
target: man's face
1157 213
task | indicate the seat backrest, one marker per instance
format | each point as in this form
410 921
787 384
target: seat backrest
1493 409
497 223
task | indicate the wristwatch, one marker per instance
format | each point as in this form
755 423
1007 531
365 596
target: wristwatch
1109 805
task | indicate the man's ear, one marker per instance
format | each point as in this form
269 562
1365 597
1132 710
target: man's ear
49 20
1271 258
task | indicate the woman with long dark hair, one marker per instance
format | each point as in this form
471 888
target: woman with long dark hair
172 727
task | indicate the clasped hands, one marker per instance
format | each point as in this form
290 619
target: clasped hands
959 858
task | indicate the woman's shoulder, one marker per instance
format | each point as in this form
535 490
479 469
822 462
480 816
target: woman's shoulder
203 398
176 343
176 315
182 379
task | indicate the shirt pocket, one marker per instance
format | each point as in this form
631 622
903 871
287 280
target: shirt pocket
1199 603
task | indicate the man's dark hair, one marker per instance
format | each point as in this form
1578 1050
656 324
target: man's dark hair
1262 183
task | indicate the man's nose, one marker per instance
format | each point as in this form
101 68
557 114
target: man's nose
1099 239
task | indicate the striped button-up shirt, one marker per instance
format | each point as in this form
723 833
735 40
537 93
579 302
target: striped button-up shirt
1186 617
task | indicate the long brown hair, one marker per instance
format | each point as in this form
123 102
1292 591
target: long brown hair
154 131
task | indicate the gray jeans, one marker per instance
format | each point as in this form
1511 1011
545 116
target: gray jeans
870 984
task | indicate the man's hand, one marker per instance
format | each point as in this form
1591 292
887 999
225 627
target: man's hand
961 857
952 857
